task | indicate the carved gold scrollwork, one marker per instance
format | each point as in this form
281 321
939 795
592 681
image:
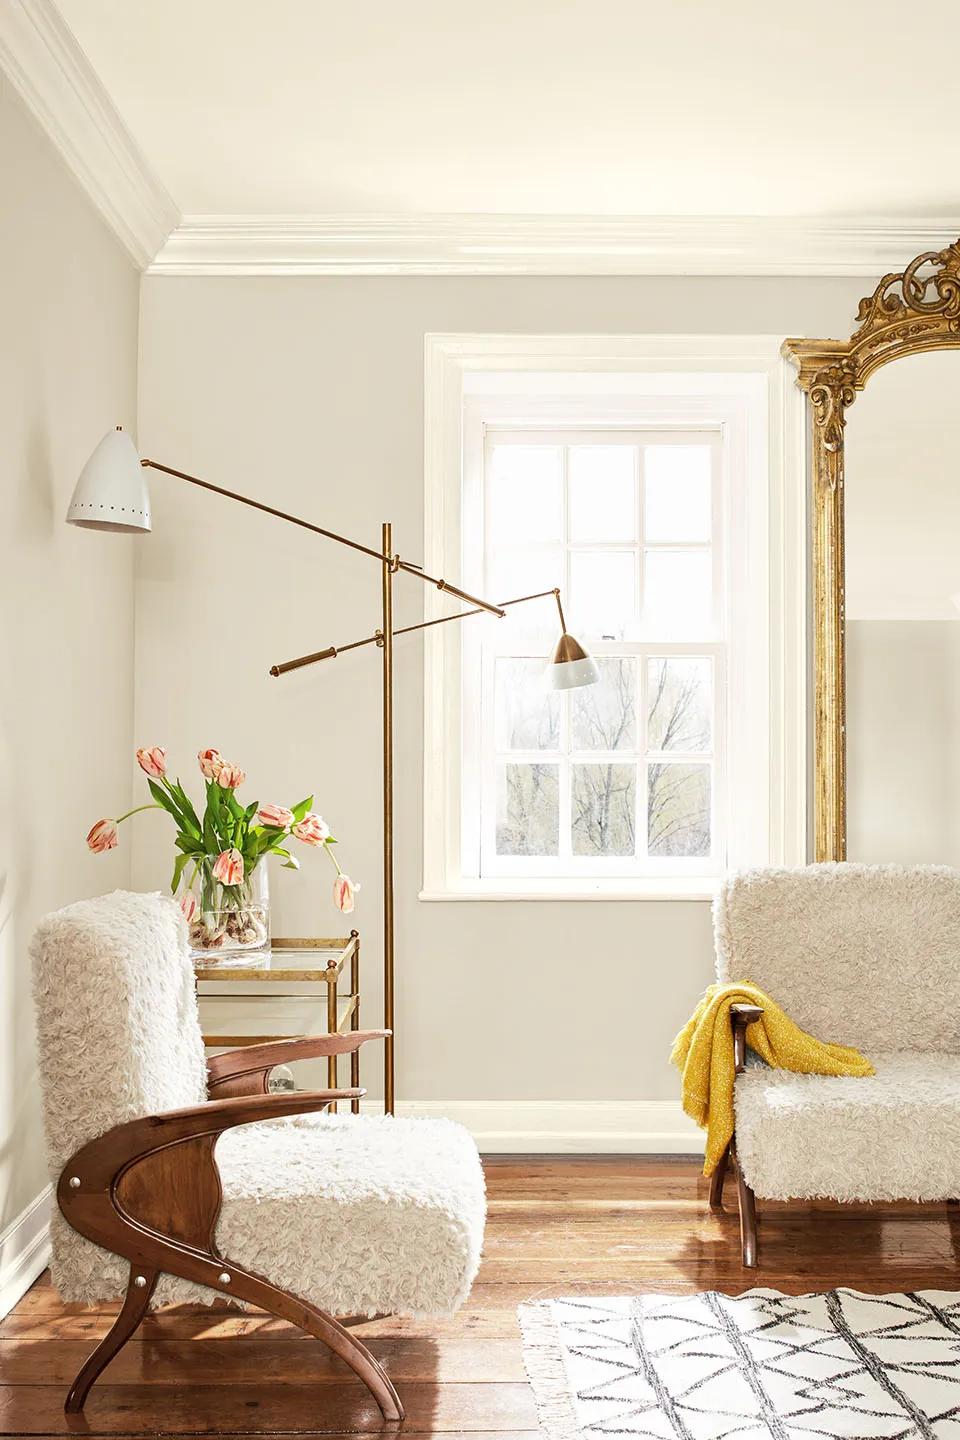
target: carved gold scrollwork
910 311
830 394
908 293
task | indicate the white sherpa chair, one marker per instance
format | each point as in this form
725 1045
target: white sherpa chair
864 955
163 1199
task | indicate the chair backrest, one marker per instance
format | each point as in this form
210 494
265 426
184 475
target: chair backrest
116 1011
865 955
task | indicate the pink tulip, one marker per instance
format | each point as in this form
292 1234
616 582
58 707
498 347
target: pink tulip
189 906
103 836
210 762
152 761
278 817
312 830
228 867
231 777
343 892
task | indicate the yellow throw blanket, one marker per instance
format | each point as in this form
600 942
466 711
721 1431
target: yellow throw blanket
703 1053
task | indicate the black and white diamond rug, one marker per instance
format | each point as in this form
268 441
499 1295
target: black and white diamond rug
758 1366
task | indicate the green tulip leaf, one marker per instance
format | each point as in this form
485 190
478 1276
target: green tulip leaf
178 868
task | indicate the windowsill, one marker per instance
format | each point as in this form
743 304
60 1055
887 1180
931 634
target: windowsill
674 887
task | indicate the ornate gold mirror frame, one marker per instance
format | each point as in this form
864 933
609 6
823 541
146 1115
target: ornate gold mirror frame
914 310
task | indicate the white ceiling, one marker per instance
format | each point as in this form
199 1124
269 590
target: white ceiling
573 107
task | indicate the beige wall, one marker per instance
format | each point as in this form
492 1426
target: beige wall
68 354
309 392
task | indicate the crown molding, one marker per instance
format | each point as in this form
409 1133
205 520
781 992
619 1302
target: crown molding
541 245
52 75
56 81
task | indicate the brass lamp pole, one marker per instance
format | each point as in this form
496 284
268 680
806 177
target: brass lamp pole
111 494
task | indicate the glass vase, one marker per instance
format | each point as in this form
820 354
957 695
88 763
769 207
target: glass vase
223 919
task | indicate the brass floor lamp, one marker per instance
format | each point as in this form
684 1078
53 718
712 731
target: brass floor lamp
111 494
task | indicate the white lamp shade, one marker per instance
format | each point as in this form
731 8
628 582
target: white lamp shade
112 493
571 667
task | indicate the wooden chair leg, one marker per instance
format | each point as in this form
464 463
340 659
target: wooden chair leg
717 1179
748 1220
140 1288
337 1338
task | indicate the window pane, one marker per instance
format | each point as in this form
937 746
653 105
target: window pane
678 599
678 809
527 713
603 492
526 493
513 572
677 493
604 806
679 704
603 717
602 592
528 810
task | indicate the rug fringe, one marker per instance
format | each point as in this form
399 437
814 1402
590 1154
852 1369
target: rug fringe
547 1372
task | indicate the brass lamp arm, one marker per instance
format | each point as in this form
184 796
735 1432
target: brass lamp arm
376 638
393 561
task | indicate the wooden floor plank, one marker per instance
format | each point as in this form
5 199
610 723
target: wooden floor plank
557 1226
272 1362
217 1409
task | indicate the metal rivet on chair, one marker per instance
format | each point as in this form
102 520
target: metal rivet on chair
139 1281
224 1278
74 1182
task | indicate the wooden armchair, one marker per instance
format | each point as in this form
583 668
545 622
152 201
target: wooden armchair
150 1191
268 1220
860 955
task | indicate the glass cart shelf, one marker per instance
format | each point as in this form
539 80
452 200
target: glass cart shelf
242 993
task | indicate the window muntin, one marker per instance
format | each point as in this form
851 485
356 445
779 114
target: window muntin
624 778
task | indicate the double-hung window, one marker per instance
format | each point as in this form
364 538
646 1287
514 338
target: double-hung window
646 501
624 777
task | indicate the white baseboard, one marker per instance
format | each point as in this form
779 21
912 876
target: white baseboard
25 1250
566 1127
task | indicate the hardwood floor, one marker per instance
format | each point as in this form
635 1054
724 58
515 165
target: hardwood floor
557 1226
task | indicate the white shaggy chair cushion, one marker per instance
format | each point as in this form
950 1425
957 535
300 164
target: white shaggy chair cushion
864 955
891 1136
357 1214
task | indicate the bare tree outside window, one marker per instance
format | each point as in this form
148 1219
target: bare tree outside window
679 709
528 812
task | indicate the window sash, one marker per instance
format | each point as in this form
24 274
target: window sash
564 757
634 436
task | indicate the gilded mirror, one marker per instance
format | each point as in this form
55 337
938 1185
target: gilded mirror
885 529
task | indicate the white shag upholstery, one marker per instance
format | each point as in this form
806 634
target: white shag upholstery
357 1214
864 955
891 1136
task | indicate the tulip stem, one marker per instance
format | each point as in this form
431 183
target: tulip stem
136 811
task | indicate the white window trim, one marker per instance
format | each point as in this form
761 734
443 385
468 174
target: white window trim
457 366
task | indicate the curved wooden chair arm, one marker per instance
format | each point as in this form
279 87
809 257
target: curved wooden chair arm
102 1162
247 1071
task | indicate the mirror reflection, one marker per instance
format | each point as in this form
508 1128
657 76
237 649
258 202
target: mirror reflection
902 510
